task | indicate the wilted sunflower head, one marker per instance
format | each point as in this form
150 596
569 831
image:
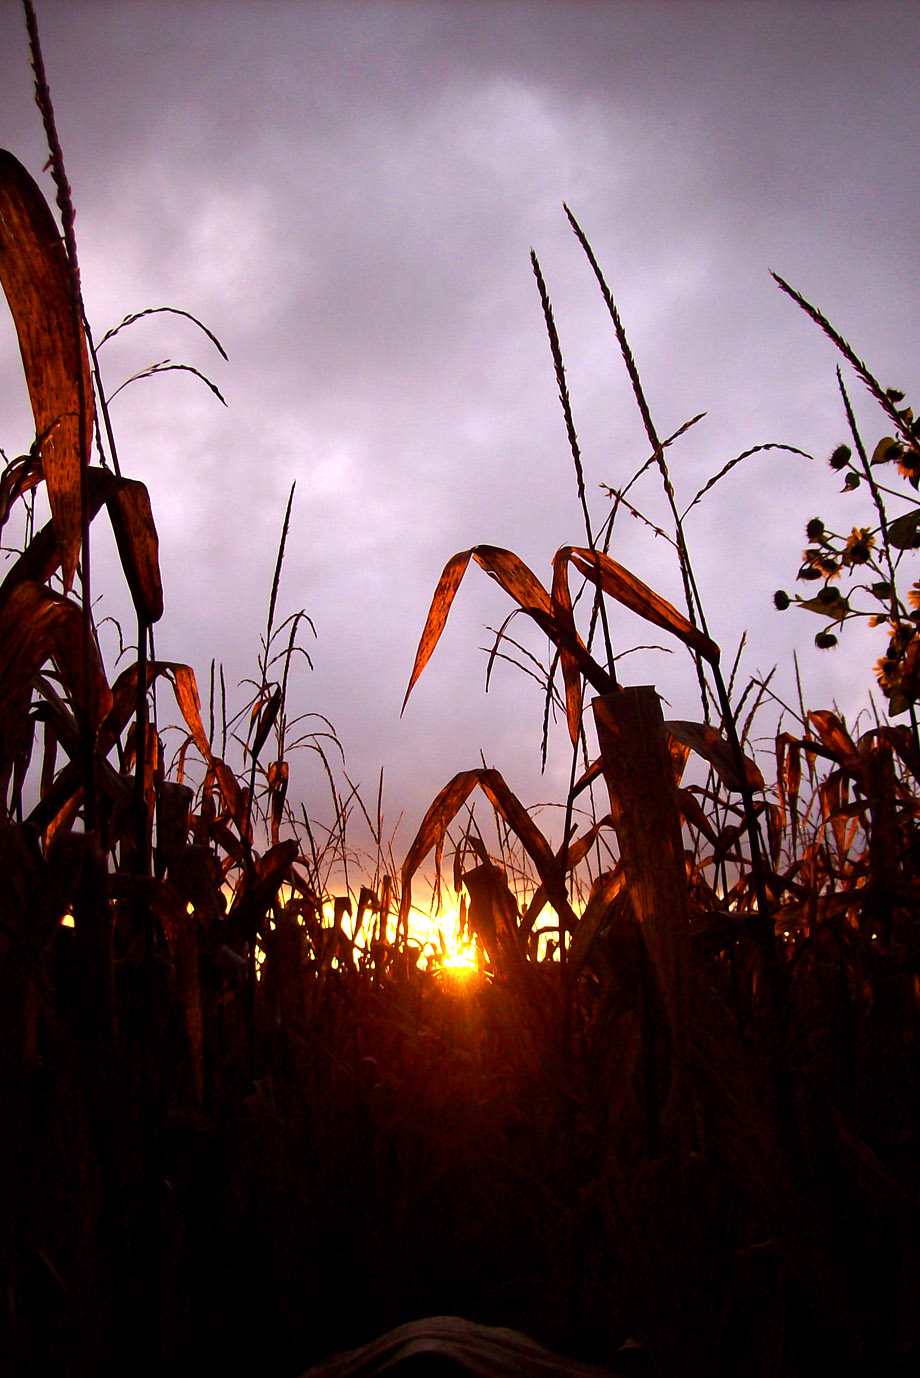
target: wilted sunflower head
909 466
859 546
817 564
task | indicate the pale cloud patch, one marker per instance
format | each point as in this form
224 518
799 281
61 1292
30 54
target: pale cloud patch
212 247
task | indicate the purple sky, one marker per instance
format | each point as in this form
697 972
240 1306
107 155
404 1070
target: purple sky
347 194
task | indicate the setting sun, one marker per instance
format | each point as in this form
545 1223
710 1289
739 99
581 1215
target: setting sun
445 939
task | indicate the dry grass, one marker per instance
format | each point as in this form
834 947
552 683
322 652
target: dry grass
692 1130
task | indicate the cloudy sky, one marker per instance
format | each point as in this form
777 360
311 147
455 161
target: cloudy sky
347 194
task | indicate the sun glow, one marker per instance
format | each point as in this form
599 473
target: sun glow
445 941
458 955
438 939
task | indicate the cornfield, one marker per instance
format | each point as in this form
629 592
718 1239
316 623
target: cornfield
669 1122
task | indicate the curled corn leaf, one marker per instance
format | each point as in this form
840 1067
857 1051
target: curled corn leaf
833 734
138 546
525 588
639 598
712 746
38 625
444 595
37 281
494 917
441 813
562 608
42 557
266 711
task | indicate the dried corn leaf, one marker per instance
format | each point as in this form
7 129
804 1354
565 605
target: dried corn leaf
532 598
834 735
578 849
564 617
574 854
37 624
789 779
903 742
533 841
444 595
712 746
267 711
61 821
432 830
260 887
185 687
124 704
234 797
41 557
20 476
525 588
639 598
693 813
443 810
594 771
277 774
37 280
606 889
639 772
680 754
138 547
515 578
775 833
494 917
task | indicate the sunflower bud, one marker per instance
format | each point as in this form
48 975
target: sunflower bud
781 600
814 531
825 641
841 457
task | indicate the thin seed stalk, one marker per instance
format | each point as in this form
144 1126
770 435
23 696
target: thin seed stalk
872 383
691 593
559 366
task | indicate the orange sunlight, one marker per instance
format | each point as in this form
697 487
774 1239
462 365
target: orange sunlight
444 942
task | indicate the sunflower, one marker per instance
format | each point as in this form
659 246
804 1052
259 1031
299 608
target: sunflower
859 546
